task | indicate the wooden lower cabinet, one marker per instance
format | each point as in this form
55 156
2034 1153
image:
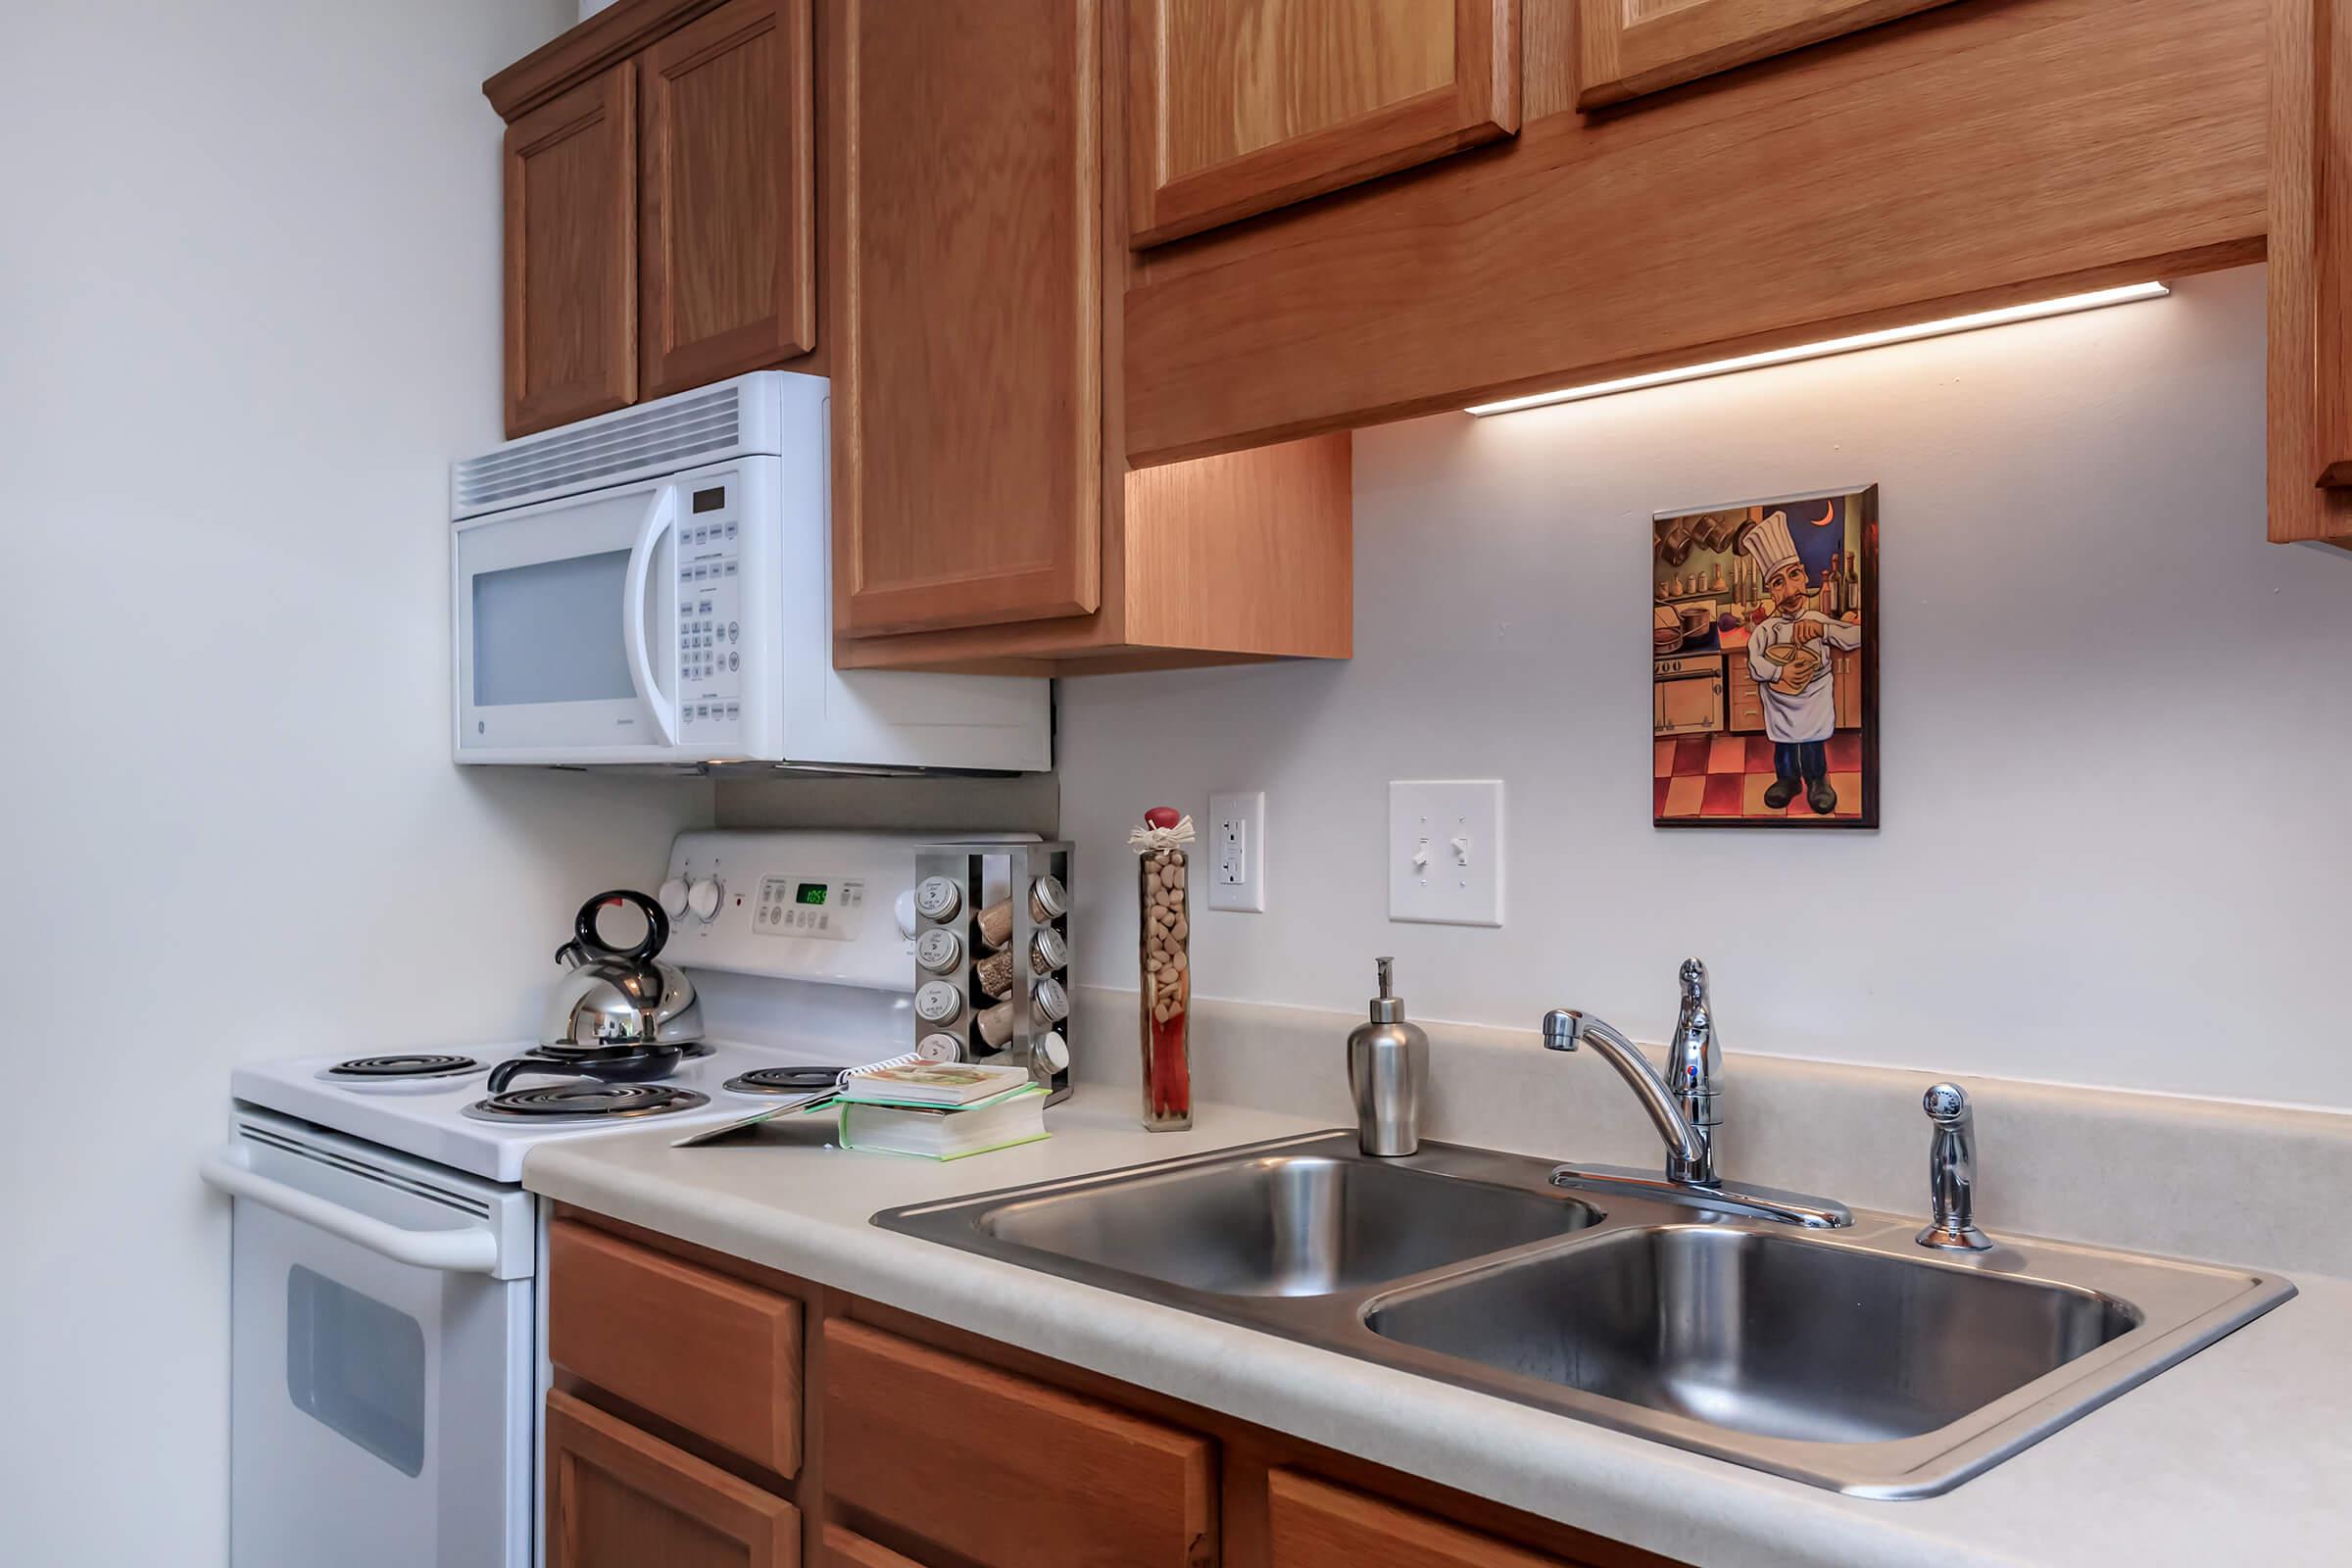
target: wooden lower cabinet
1003 1471
1312 1524
618 1497
844 1548
926 1447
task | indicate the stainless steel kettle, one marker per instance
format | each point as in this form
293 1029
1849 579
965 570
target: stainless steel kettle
621 995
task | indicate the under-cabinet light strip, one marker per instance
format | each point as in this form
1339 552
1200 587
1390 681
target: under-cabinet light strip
2066 306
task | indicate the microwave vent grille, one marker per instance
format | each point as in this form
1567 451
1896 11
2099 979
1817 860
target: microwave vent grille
658 438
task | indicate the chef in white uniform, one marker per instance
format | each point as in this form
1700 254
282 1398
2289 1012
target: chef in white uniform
1800 704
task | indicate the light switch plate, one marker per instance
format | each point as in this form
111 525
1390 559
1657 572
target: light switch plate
1237 851
1445 851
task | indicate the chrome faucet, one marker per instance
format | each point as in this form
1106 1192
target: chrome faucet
1681 1104
1952 1172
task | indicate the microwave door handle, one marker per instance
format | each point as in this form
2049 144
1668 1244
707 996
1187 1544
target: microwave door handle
461 1251
659 518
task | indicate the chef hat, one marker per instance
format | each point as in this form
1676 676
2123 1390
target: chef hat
1768 543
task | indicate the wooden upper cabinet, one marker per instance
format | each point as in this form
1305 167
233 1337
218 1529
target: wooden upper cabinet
1629 47
2309 393
617 1498
2332 257
572 255
1236 107
967 397
726 199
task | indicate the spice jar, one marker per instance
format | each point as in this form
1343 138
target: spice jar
1049 901
1049 1005
1048 954
1167 977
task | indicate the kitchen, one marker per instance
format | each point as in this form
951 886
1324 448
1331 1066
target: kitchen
288 229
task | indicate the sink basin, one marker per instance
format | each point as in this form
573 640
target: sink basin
1283 1224
1849 1358
1759 1332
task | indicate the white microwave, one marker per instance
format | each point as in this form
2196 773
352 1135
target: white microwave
651 586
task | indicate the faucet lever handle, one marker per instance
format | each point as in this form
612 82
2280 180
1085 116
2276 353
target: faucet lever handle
1694 981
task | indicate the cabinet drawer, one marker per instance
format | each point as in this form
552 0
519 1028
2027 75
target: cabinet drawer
617 1498
1003 1471
1312 1524
720 1357
844 1550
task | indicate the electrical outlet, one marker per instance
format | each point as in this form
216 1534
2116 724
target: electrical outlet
1237 851
1445 851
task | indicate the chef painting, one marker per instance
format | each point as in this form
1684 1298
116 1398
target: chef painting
1788 654
1764 653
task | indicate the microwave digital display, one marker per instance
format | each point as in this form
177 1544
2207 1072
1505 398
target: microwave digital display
711 500
809 893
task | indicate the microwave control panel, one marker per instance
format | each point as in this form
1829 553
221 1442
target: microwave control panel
710 613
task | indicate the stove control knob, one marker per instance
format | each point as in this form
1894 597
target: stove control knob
902 907
701 899
673 898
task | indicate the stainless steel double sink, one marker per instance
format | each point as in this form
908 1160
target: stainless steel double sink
1850 1358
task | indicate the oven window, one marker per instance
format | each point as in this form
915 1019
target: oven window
356 1365
551 633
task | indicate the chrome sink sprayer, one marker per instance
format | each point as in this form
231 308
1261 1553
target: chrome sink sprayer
1681 1104
1952 1173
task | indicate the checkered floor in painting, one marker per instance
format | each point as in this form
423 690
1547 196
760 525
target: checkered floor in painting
1722 779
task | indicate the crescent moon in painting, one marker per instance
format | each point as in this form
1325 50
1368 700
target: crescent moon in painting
1827 518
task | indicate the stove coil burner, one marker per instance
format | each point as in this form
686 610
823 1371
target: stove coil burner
785 1080
585 1102
412 1067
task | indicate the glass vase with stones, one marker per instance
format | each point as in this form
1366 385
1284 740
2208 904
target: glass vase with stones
1167 990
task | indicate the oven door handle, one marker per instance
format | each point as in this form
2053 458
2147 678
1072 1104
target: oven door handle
459 1252
659 518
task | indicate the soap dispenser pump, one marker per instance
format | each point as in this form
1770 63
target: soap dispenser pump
1387 1060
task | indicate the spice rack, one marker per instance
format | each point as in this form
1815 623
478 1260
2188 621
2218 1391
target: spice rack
955 917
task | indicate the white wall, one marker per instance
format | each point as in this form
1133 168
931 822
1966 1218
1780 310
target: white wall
2115 724
248 312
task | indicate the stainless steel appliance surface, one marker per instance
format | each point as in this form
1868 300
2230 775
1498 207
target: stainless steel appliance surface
1848 1357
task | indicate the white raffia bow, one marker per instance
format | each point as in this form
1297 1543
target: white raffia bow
1146 838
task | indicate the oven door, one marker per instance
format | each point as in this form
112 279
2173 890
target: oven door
1686 695
566 620
379 1409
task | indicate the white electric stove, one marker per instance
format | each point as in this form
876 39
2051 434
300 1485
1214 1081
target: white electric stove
385 1325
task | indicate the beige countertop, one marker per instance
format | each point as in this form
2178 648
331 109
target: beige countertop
2238 1454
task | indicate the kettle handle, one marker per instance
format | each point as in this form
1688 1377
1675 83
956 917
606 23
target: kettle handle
657 927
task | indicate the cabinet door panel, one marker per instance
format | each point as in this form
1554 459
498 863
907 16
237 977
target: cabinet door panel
967 413
726 204
1240 105
1312 1524
720 1357
2331 259
1012 1473
617 1498
1629 47
572 255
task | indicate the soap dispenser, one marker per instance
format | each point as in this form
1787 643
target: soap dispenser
1388 1060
